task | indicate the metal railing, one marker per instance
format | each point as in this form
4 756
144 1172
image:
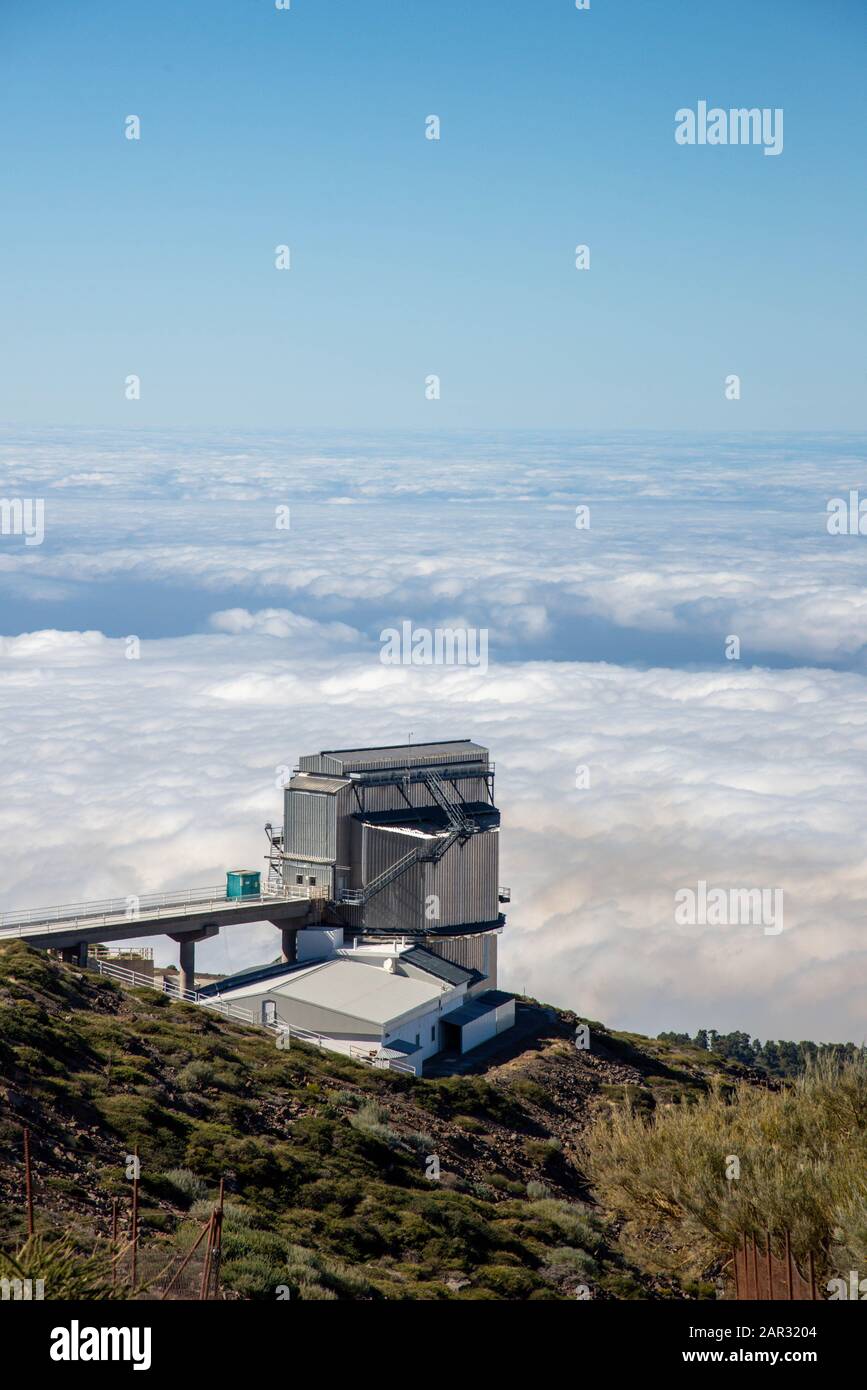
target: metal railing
135 908
207 1001
376 773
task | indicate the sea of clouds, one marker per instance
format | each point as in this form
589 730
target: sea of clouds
606 654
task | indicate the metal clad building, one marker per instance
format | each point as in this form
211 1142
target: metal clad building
403 839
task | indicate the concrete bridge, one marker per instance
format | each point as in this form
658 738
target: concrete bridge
187 916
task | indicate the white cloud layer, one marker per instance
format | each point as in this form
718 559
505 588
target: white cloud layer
687 544
132 776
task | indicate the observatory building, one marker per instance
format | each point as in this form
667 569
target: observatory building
398 841
397 849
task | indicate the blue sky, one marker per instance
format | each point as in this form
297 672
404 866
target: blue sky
410 256
559 388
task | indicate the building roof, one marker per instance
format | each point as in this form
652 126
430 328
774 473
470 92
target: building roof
397 1048
251 976
371 934
397 755
477 1008
317 782
378 751
346 986
437 966
495 997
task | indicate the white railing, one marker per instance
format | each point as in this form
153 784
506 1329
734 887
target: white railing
167 986
136 908
235 1012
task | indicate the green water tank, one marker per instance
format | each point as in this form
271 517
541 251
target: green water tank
243 883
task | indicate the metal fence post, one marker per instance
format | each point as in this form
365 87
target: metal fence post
28 1182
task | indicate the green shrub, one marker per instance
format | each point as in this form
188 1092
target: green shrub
507 1281
566 1262
370 1120
421 1141
537 1191
185 1186
569 1221
530 1090
197 1076
542 1151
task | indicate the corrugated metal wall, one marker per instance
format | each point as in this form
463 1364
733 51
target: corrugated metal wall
307 869
400 906
345 805
473 952
464 881
310 825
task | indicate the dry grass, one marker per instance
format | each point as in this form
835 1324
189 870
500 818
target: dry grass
802 1155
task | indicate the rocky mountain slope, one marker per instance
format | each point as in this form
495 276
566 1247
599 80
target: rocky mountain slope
341 1181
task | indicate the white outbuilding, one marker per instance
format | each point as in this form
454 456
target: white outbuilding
390 1003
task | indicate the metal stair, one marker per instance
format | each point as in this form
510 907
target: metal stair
461 827
448 801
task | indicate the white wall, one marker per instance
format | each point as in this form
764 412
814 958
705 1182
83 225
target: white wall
422 1024
505 1016
478 1031
317 943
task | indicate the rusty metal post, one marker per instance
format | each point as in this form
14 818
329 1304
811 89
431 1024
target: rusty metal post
218 1239
770 1266
813 1294
28 1183
789 1275
206 1268
113 1241
746 1293
755 1265
134 1231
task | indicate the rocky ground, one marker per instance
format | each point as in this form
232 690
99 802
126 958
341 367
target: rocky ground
97 1073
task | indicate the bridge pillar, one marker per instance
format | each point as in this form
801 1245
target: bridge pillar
289 942
187 962
75 955
187 979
